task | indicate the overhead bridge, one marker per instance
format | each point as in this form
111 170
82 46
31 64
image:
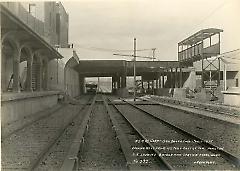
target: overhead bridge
105 68
159 74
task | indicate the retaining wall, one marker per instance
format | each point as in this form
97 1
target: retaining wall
15 106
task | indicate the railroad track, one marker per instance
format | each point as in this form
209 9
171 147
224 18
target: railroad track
27 148
23 123
223 131
177 148
217 115
86 139
218 110
127 135
94 146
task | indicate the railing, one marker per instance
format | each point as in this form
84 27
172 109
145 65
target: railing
190 52
21 13
197 50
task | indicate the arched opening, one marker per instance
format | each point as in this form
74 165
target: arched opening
71 78
8 50
45 73
34 72
25 54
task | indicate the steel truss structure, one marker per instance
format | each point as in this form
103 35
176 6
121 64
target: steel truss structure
201 47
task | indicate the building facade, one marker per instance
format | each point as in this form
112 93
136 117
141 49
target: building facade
33 70
43 19
62 26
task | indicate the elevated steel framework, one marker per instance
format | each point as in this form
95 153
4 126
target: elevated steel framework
201 46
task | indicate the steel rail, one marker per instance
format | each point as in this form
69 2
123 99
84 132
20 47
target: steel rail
166 166
228 156
168 104
49 112
191 105
123 141
34 164
71 160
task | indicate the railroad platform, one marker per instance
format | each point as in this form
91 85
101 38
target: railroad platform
219 112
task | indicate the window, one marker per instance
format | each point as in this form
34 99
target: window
32 9
50 18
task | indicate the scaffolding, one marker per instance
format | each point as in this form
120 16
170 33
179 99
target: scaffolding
202 46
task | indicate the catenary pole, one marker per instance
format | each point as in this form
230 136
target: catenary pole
134 69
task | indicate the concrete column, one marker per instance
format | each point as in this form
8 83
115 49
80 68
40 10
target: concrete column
219 72
16 62
118 82
81 84
163 86
159 82
112 84
181 78
124 76
29 73
4 81
45 75
168 79
39 76
176 78
123 81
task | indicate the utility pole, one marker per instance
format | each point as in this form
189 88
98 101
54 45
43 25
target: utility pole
153 56
57 48
225 76
134 64
98 86
134 68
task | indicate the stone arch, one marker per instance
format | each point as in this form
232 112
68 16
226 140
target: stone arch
25 67
45 73
10 59
71 77
36 72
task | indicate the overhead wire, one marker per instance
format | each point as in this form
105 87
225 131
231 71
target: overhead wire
229 55
150 49
108 50
204 19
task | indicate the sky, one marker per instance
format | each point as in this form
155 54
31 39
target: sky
100 28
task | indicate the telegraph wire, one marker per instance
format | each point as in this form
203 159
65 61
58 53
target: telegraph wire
202 21
232 51
231 56
107 50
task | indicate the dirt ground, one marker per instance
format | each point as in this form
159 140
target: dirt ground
101 150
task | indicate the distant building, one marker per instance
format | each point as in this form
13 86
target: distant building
41 27
50 22
47 18
232 71
62 26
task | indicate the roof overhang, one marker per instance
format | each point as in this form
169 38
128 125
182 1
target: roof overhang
199 36
10 22
108 68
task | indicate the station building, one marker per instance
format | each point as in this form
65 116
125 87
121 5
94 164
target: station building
35 58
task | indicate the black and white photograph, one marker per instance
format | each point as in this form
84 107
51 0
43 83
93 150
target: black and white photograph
120 85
